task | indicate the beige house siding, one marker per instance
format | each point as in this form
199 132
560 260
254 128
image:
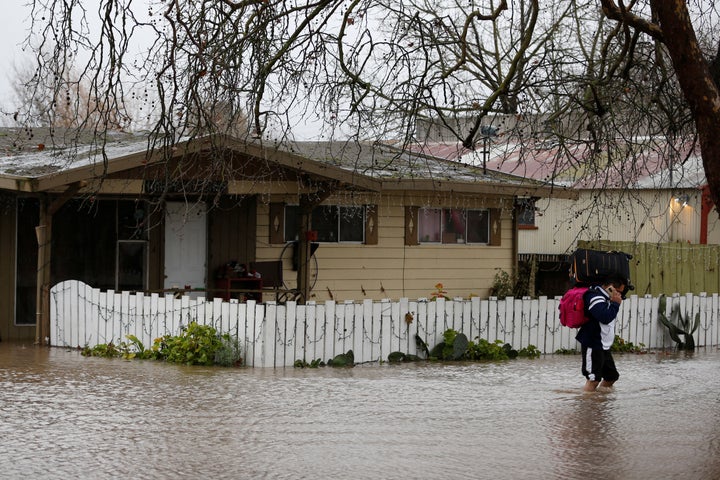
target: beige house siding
646 216
391 269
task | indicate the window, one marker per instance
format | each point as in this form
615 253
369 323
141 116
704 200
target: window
451 225
332 223
526 213
131 265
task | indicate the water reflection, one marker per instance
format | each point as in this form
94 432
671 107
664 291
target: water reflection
583 433
63 415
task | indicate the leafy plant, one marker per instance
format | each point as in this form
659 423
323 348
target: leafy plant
453 347
678 325
196 345
342 360
229 354
303 364
506 285
422 346
139 349
484 350
399 357
621 346
439 293
530 351
502 285
105 350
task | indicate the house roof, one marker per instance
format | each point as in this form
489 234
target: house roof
34 160
400 168
643 163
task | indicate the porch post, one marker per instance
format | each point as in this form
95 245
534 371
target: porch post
303 271
43 234
307 203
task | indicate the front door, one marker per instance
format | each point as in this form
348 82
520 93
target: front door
185 245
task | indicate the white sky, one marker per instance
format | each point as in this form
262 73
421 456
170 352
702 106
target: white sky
14 28
15 25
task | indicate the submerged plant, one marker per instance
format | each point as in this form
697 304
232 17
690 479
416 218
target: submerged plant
229 354
485 350
678 325
622 346
531 351
456 346
196 345
106 350
299 363
453 347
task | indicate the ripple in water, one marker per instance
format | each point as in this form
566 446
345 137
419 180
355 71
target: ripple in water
63 415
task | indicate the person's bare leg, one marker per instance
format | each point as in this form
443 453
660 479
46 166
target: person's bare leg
606 384
590 386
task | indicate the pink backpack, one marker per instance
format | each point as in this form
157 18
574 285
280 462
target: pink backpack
572 308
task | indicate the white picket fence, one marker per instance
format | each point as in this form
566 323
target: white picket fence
274 335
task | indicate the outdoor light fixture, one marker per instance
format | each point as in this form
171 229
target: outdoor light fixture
682 199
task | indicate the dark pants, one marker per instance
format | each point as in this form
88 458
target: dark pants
598 364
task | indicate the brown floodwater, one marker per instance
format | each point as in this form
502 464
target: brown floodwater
66 416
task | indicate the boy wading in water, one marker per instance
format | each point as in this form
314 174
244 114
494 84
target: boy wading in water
596 336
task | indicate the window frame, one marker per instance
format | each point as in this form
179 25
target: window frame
442 234
294 208
526 213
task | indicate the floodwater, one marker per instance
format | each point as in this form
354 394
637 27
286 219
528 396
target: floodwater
66 416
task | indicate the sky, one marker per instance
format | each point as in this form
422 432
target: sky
14 29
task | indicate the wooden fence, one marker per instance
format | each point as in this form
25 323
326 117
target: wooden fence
658 268
275 335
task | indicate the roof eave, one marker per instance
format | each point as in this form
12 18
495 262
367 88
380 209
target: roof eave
518 190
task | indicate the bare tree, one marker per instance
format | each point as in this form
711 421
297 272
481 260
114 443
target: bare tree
63 103
670 23
569 74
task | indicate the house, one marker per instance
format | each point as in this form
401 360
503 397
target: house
645 190
340 220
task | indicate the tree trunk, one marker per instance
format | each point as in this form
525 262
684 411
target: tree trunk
697 84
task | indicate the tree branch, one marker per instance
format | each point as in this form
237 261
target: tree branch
621 14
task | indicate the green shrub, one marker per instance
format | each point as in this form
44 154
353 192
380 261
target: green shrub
314 364
530 351
484 350
229 354
566 351
106 350
196 345
621 346
503 285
